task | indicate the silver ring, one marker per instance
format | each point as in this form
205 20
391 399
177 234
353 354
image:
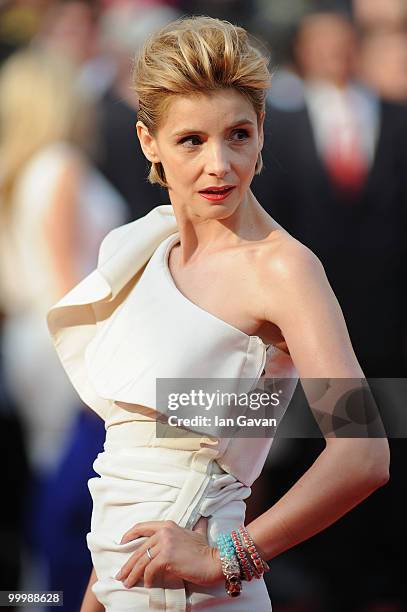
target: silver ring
149 554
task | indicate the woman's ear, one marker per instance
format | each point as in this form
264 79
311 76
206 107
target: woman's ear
147 142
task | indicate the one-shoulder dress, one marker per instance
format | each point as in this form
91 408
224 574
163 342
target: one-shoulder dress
116 333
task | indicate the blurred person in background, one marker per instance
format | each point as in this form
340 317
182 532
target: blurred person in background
344 184
55 209
383 63
372 14
71 29
123 29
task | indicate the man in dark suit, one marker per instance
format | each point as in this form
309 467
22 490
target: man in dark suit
350 209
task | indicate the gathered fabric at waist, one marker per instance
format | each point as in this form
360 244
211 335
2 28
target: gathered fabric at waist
129 447
138 483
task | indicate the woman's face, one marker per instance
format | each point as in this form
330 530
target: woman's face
207 141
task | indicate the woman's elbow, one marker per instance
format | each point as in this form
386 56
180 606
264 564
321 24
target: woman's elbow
380 476
378 472
366 461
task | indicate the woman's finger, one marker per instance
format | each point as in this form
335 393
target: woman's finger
139 568
154 568
138 554
145 528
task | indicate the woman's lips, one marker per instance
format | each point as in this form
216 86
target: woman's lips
216 196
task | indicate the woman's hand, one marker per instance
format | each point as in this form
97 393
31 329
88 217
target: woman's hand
174 549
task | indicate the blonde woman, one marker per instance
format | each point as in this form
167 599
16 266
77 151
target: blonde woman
209 287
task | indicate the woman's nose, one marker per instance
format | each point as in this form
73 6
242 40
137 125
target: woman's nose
218 162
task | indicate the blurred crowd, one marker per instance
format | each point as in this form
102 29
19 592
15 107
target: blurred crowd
335 176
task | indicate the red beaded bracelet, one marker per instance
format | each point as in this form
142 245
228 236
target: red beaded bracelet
242 556
259 564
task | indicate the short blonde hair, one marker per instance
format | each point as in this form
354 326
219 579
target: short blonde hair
195 56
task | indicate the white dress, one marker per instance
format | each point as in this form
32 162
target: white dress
142 329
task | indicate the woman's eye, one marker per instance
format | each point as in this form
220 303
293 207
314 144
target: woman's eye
240 134
194 140
191 140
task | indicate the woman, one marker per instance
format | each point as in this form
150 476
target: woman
209 286
55 209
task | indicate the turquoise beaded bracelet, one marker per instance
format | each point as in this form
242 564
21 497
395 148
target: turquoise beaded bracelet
230 565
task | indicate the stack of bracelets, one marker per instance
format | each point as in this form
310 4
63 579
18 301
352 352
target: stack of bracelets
240 559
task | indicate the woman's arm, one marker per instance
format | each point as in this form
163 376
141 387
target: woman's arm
298 298
90 603
332 486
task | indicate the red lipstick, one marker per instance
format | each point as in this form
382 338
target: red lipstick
215 194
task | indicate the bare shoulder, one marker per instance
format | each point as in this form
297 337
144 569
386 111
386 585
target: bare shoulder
295 295
286 270
280 270
283 258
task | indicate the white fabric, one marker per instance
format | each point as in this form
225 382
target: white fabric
122 327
